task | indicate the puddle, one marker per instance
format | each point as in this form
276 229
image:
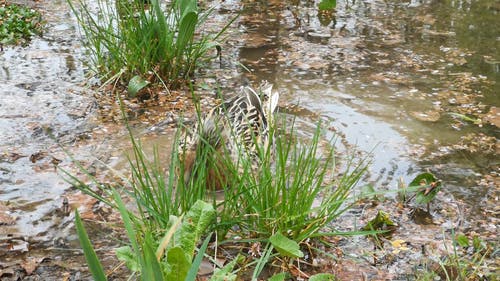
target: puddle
42 105
386 76
389 86
394 79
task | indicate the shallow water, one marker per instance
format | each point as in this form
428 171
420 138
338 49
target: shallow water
384 75
42 105
388 75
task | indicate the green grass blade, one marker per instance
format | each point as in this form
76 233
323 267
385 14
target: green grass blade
151 269
193 271
126 221
95 265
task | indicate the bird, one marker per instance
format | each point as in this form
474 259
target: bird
232 133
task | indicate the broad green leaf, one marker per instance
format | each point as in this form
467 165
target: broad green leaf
430 186
95 265
195 222
186 30
423 179
278 277
327 5
322 277
126 255
179 264
136 84
286 246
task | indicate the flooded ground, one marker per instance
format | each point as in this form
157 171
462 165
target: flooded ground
43 106
414 83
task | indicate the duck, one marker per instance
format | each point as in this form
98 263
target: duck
237 130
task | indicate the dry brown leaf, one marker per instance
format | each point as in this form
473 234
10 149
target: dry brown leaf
84 203
30 264
428 116
11 157
5 218
493 116
38 156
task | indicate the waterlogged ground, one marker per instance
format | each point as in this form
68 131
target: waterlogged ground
414 83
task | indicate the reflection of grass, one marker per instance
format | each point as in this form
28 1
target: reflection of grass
134 38
18 24
290 197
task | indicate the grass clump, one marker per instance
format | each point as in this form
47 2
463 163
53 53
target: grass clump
291 195
294 191
157 42
18 24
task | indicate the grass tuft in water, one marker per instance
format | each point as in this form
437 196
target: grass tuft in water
290 194
293 191
465 262
156 41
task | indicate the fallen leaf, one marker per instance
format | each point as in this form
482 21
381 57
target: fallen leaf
5 217
84 203
428 116
37 156
11 157
30 264
493 116
399 245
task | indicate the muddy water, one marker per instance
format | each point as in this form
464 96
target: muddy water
394 79
42 105
389 76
